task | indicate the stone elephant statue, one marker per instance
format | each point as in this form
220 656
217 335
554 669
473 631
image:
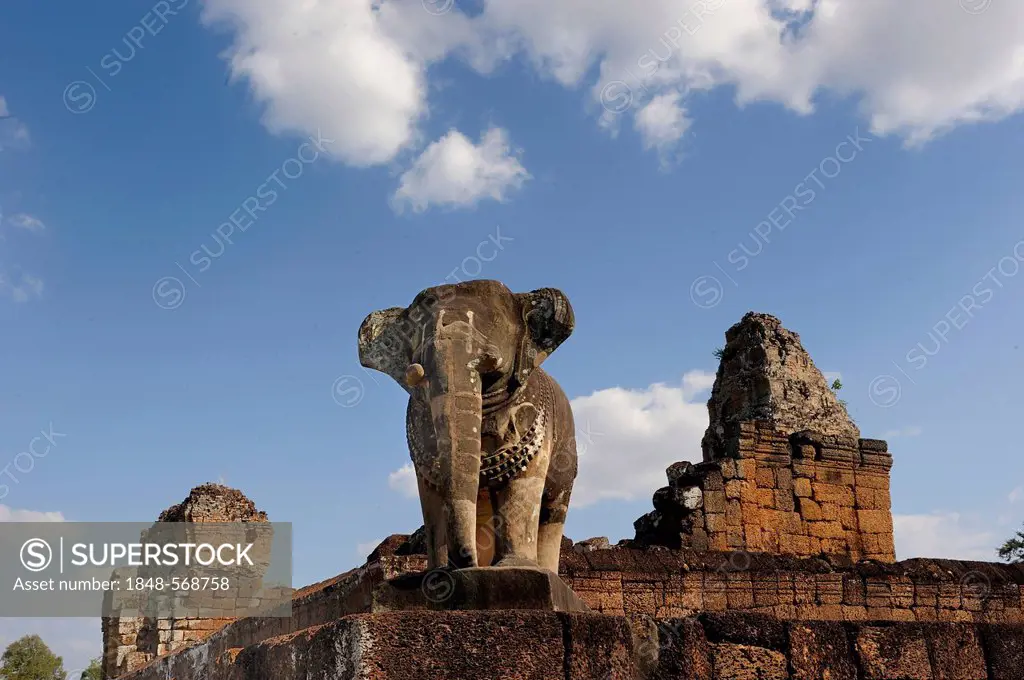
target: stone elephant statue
490 434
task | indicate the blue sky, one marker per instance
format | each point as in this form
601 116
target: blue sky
539 127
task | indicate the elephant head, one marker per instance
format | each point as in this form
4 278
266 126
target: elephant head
464 349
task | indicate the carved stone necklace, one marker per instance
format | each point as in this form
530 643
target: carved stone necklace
522 439
514 457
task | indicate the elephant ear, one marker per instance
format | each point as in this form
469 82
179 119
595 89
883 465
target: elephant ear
382 346
547 320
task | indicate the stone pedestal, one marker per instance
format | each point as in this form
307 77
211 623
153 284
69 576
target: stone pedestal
538 645
482 588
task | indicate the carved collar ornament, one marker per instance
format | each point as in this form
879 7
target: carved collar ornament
522 436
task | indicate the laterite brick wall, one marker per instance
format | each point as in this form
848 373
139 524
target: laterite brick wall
803 494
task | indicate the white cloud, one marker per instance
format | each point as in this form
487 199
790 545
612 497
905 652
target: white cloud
326 65
11 515
19 287
662 122
911 431
1016 495
943 534
23 289
627 438
454 172
403 480
13 133
358 69
27 222
917 67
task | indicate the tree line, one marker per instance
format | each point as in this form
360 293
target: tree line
29 658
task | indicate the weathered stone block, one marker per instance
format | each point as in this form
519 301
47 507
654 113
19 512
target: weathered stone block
866 498
641 597
833 493
714 502
809 510
875 445
848 518
793 544
871 480
765 498
735 489
681 472
854 613
834 546
830 512
745 629
699 539
734 537
893 653
715 522
746 469
784 478
784 500
598 647
740 594
433 646
683 651
875 521
478 588
802 487
825 529
765 477
956 653
713 481
743 662
831 474
820 651
1004 650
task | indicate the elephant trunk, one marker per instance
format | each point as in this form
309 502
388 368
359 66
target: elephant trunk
455 392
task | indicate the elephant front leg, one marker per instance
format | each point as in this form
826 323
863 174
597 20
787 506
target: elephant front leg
517 515
434 523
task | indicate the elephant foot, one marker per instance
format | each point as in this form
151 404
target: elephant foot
515 561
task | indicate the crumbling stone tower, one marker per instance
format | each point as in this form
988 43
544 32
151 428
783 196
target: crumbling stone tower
784 470
130 643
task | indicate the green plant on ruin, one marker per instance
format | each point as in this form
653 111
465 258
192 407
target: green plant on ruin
837 385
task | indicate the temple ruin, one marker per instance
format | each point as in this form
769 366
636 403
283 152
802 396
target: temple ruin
132 642
772 558
784 471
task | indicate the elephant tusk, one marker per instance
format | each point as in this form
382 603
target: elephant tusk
414 375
